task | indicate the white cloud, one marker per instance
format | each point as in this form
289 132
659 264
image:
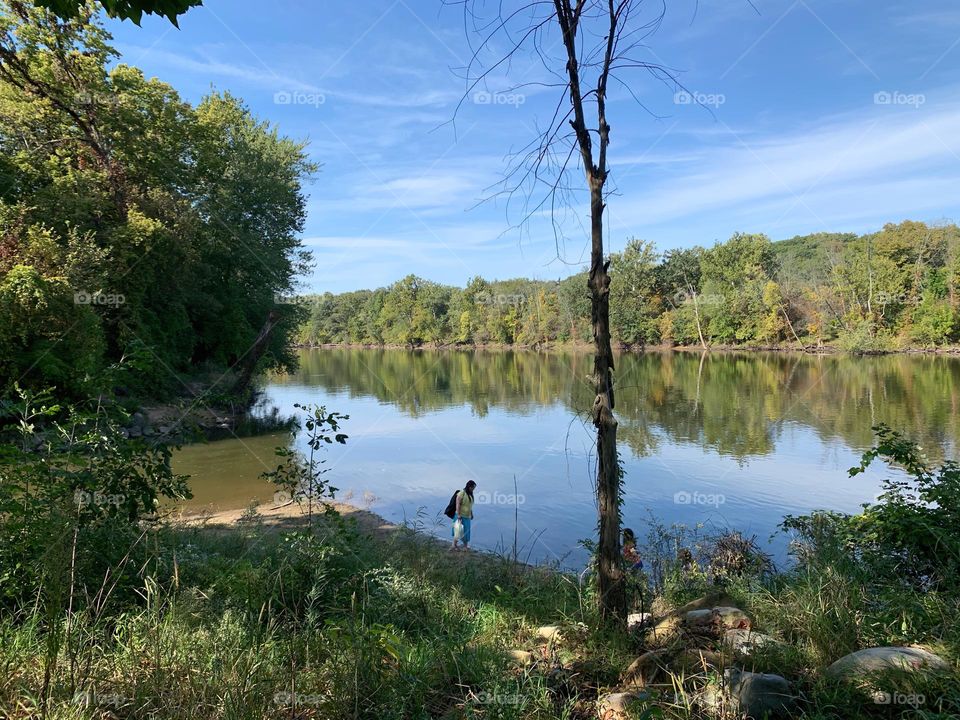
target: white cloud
857 156
211 69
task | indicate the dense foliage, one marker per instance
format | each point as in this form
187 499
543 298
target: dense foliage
132 223
913 530
74 489
123 9
891 289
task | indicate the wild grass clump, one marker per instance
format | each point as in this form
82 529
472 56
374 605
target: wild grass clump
887 576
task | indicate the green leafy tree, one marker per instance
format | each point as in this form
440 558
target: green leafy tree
185 219
634 305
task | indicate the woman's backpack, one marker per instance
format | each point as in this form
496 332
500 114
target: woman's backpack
451 510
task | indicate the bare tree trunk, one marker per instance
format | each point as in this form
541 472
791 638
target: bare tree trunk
589 58
612 590
248 363
696 404
611 583
790 324
696 315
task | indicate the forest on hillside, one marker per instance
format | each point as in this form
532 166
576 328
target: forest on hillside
136 229
893 289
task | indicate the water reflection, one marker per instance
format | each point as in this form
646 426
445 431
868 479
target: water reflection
734 403
768 433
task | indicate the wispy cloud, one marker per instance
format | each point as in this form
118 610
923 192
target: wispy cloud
211 69
858 156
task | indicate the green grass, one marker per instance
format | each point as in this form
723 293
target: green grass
259 622
238 623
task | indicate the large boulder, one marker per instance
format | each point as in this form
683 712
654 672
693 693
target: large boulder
750 695
878 660
758 695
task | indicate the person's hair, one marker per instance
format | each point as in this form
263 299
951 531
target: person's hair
628 536
468 489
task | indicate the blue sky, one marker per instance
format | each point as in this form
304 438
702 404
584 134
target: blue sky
823 115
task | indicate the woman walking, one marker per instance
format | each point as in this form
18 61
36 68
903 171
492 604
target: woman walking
463 513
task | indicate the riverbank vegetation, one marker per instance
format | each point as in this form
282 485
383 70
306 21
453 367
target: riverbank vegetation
111 611
894 289
135 226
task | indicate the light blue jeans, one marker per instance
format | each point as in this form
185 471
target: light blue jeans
466 529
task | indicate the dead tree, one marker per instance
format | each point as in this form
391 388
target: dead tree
584 45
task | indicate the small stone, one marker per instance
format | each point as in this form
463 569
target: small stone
522 657
732 618
135 431
638 620
885 659
746 641
616 706
164 429
549 633
697 618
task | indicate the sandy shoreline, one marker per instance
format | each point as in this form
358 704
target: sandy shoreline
286 515
293 516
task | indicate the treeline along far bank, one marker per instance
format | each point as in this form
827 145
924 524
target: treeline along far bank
889 290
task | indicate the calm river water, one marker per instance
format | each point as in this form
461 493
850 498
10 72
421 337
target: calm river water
727 440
